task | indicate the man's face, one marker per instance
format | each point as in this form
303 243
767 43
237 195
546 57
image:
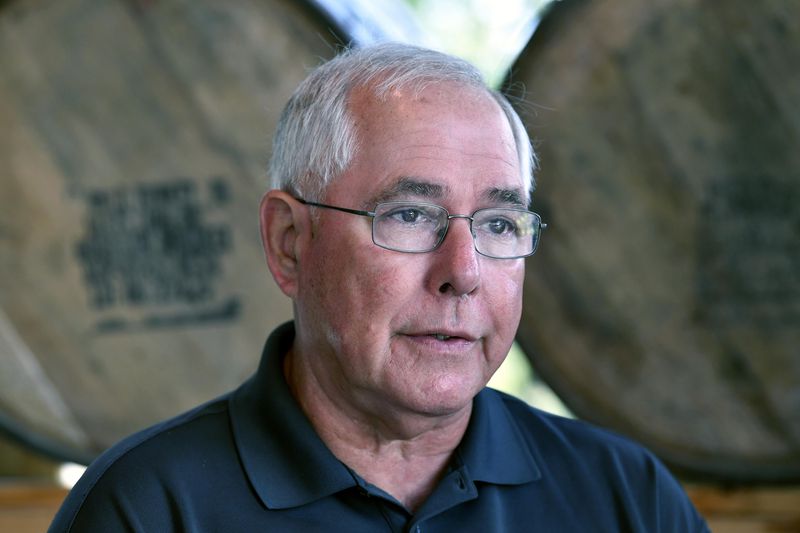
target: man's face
373 315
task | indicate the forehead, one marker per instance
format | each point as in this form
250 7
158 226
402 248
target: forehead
443 140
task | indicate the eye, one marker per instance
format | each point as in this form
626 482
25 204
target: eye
501 226
408 215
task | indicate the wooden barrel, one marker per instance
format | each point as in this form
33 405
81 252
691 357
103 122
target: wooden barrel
664 301
133 148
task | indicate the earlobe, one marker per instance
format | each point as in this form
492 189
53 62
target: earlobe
283 222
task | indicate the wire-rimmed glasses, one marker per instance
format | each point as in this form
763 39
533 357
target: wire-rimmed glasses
498 232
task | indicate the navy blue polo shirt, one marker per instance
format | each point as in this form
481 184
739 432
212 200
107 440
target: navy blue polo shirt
251 461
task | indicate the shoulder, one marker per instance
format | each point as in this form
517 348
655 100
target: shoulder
138 472
603 469
556 436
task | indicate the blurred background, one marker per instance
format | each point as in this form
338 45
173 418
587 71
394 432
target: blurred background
664 302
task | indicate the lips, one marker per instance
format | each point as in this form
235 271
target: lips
444 335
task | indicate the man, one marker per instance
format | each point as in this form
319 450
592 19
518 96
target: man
398 225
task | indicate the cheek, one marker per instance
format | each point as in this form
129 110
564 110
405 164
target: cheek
357 287
379 281
386 293
505 301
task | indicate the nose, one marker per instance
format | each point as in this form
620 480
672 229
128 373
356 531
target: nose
456 268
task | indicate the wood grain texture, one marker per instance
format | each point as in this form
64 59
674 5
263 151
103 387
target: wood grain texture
748 510
664 300
28 507
132 160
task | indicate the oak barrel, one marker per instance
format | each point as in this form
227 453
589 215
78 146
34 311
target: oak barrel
664 301
133 147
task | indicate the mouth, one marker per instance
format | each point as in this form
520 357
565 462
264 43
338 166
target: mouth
444 336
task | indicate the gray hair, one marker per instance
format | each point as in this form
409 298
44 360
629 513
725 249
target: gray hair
315 139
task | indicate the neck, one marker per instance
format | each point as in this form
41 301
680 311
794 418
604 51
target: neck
403 453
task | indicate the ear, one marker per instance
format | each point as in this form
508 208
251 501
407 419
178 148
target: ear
284 225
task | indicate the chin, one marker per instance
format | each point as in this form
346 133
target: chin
447 398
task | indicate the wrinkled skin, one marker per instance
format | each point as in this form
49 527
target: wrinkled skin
366 315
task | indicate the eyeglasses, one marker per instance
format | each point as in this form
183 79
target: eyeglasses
497 232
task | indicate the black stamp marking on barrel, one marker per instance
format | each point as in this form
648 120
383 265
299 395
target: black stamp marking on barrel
748 252
151 246
226 311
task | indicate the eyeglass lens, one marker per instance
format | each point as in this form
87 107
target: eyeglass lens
497 232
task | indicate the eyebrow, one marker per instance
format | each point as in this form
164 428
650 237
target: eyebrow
408 186
506 196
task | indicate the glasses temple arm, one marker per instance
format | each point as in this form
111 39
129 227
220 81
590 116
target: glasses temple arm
344 209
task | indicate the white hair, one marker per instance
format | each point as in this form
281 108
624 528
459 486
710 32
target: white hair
315 139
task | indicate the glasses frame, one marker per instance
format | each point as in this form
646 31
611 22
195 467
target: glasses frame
372 214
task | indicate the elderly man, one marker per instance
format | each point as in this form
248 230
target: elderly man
397 224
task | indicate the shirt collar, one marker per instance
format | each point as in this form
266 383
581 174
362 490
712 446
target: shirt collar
289 465
284 458
493 448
